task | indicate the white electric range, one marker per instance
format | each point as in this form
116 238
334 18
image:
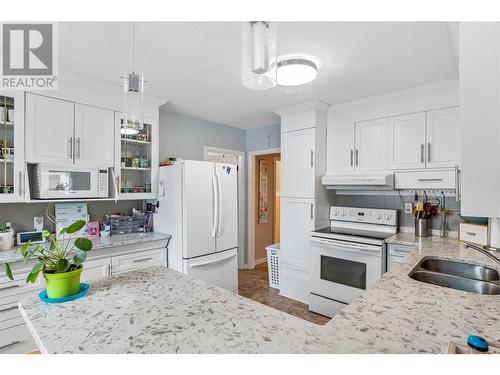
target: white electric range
348 256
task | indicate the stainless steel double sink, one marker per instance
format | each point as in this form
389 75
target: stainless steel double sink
468 277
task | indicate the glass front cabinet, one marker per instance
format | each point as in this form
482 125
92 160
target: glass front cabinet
12 171
136 159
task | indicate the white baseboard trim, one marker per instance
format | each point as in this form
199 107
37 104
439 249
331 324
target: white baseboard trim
260 261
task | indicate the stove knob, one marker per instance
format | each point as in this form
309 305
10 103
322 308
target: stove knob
379 216
388 217
343 213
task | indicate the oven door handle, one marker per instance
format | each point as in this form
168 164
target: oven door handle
373 249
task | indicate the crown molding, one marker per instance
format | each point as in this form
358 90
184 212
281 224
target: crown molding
392 96
314 105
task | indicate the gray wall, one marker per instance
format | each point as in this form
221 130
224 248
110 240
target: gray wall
264 138
394 203
184 137
21 214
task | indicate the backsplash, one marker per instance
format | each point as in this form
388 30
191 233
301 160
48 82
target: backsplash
21 214
393 202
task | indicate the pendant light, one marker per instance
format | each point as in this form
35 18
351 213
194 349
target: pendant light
258 68
133 97
294 70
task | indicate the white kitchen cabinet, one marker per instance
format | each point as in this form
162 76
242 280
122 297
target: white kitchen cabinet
136 159
340 146
297 222
96 269
11 147
128 262
371 145
94 136
297 163
443 138
49 130
407 141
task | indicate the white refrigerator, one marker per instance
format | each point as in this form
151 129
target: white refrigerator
198 205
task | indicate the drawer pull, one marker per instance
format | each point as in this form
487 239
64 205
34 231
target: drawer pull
10 345
11 287
470 233
430 179
141 260
8 308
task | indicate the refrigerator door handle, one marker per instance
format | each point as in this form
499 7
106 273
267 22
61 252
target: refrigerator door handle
214 207
219 211
212 261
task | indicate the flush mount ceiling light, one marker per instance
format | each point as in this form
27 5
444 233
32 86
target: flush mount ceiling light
258 65
294 70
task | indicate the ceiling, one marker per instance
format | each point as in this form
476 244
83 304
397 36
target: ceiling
197 65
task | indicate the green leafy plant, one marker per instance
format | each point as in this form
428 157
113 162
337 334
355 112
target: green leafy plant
59 256
4 228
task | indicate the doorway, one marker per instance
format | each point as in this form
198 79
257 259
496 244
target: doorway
221 155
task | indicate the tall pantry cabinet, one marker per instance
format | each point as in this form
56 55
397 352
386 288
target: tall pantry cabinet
304 203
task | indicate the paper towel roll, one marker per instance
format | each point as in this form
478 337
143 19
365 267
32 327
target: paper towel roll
494 223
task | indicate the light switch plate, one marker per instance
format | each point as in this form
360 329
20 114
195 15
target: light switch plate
408 208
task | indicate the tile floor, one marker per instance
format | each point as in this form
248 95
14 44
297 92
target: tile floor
253 284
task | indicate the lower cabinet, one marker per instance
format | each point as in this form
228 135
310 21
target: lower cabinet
297 222
15 337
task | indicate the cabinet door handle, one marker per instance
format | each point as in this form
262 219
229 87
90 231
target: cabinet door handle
141 260
8 309
352 152
471 233
357 157
457 183
78 148
312 211
20 183
422 153
428 152
429 179
312 158
11 287
10 344
70 156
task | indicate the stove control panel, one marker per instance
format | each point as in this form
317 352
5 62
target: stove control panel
364 215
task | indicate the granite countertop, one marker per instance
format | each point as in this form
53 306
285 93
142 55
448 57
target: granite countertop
14 254
157 310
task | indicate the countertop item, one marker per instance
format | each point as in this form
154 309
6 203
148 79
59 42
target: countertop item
157 310
14 254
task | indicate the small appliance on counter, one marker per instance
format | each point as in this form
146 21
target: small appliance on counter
348 256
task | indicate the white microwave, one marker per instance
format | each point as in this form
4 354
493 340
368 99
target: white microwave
55 182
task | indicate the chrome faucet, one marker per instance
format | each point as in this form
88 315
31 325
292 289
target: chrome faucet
489 253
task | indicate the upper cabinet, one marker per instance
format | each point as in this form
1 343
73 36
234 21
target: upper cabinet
64 133
443 138
49 130
429 139
340 146
11 147
407 141
371 145
136 157
94 136
297 163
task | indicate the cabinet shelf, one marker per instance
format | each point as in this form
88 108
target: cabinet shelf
135 141
136 169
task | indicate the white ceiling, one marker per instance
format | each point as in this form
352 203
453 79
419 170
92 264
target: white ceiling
197 65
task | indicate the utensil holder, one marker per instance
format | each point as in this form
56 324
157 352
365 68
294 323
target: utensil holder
421 227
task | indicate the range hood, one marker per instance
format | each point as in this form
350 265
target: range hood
372 181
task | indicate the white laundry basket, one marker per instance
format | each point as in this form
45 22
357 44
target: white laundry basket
273 252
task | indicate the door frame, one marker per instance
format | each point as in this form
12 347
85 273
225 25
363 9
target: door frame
241 196
251 202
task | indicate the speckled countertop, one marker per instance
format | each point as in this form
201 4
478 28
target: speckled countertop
156 310
14 254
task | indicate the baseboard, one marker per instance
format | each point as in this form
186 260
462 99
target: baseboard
260 261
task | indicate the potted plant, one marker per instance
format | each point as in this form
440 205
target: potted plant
6 235
60 263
